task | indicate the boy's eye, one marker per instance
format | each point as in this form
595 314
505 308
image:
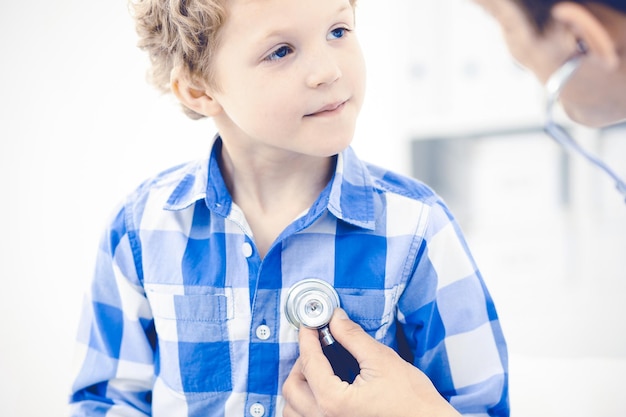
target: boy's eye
279 53
338 33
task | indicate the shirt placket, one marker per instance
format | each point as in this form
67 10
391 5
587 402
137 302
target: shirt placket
264 351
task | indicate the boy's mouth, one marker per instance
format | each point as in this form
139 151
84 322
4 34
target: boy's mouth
328 109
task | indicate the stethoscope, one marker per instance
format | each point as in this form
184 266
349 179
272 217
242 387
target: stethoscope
554 86
311 303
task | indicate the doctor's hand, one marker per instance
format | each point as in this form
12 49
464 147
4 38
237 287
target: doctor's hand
386 386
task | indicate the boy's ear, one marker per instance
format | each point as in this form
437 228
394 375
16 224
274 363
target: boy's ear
586 27
198 99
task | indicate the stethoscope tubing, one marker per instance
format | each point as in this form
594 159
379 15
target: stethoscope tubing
554 86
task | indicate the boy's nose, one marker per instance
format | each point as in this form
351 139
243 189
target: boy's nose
323 68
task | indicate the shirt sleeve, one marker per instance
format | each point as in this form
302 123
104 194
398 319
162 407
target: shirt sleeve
451 323
116 339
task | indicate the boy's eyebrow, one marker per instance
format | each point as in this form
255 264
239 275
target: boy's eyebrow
345 7
279 32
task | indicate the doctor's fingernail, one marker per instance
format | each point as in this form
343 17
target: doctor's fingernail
341 314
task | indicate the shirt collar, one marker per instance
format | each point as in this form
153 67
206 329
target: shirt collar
350 196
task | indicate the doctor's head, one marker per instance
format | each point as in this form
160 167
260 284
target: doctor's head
542 34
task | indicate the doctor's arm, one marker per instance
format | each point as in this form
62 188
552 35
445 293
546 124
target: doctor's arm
386 386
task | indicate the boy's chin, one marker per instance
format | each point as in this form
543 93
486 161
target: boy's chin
337 147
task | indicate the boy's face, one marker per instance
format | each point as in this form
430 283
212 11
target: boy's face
290 76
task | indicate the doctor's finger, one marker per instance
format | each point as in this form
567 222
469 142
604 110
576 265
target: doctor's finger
328 390
299 399
365 349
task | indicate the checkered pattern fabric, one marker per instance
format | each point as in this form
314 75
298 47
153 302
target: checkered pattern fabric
184 318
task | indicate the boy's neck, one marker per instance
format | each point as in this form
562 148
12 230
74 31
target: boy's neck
273 192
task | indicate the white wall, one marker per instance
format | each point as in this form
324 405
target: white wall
79 127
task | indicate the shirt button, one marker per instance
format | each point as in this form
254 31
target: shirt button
246 249
257 410
263 332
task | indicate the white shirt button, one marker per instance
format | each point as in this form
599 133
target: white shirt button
257 410
263 332
246 249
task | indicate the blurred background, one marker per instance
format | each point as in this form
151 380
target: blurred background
80 127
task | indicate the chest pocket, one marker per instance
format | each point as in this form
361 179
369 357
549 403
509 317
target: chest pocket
192 334
374 310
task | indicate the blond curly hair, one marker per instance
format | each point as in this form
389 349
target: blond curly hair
180 34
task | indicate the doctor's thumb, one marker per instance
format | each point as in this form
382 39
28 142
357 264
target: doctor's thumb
350 335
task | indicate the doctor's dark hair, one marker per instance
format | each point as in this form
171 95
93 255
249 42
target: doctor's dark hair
181 34
538 11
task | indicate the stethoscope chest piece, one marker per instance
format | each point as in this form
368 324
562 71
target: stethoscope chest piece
310 303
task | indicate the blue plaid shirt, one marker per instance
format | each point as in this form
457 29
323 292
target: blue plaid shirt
184 318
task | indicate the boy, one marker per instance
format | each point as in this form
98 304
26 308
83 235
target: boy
186 310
